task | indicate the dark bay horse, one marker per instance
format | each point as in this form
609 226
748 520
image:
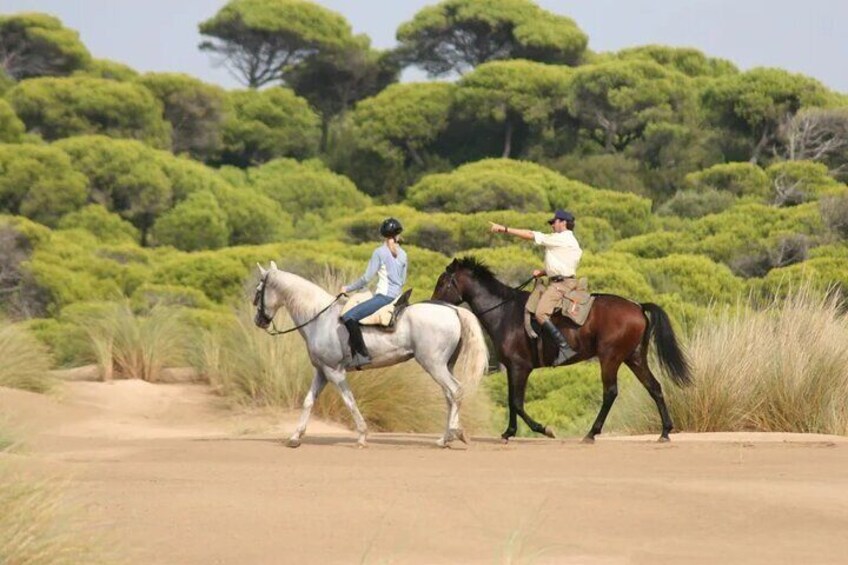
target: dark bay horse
617 331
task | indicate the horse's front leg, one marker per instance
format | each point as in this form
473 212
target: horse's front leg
339 379
522 374
318 383
512 425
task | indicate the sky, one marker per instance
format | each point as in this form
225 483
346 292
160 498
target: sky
161 35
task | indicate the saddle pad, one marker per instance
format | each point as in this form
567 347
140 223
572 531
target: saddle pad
384 317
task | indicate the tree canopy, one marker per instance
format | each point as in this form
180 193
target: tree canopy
267 124
458 35
34 45
63 107
194 109
261 40
754 104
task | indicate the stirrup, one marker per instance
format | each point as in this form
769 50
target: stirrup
358 360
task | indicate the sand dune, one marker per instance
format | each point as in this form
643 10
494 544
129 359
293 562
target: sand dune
174 477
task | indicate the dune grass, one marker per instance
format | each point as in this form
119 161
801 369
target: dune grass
37 526
24 361
252 368
778 367
127 345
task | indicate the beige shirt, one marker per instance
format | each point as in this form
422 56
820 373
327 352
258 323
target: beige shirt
562 252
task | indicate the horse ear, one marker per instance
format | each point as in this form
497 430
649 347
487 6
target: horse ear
273 266
453 265
262 270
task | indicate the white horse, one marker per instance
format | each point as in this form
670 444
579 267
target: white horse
446 341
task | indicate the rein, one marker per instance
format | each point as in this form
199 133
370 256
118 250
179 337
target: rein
259 300
510 299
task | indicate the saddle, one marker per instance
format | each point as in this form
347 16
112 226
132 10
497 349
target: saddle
386 316
576 305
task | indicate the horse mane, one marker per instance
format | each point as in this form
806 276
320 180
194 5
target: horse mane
484 275
303 298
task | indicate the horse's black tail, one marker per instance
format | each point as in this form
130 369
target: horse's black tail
672 361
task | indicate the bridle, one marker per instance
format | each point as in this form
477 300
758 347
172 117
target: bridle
455 285
259 302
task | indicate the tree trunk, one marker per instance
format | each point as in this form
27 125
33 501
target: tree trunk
507 139
758 149
325 132
414 154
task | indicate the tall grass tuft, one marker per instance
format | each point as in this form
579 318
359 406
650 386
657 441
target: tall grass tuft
35 526
254 369
128 345
24 361
778 367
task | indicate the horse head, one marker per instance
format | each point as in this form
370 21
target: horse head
449 287
266 301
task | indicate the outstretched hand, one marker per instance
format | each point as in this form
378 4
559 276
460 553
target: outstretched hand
496 228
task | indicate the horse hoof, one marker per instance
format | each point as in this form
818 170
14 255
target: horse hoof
460 435
441 442
505 440
588 440
663 439
362 444
293 442
549 432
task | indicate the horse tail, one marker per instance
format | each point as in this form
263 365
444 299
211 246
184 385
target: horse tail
472 355
672 360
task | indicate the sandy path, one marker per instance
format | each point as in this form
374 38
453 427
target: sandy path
175 479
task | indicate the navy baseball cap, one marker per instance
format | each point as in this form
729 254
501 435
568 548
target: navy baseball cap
563 215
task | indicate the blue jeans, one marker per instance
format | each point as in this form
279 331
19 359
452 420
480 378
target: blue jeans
367 308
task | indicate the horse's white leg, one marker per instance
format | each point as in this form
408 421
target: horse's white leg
318 383
338 378
453 392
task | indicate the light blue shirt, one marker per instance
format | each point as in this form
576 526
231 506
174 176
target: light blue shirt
390 270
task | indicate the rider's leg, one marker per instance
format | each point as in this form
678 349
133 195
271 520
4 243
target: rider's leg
550 300
358 350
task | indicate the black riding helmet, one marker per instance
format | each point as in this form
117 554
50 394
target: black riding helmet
390 228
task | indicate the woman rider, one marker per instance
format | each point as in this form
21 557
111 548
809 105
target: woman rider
389 263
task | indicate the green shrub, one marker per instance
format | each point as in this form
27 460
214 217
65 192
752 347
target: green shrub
460 191
11 128
614 171
269 123
308 187
39 182
650 245
615 273
697 203
148 296
795 182
834 211
194 224
64 107
104 225
219 277
739 179
695 278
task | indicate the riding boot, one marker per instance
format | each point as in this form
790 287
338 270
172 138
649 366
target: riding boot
358 352
565 352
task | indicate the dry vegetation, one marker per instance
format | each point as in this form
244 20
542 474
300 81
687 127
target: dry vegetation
24 362
782 367
128 345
